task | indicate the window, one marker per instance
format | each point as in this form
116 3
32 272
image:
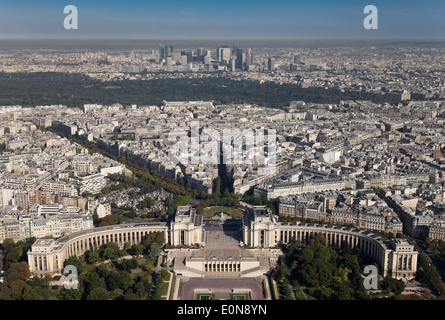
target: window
182 238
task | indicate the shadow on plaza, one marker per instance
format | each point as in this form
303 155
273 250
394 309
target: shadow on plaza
230 227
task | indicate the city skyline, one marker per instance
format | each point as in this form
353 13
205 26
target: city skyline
199 20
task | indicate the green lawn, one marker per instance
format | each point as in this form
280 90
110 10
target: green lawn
234 212
239 296
172 289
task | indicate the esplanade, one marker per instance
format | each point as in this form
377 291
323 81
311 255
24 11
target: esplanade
258 229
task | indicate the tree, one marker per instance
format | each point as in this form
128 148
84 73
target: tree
341 275
7 244
32 293
282 272
136 249
164 274
390 284
98 293
324 272
109 220
12 273
69 294
102 270
108 253
5 293
125 280
74 261
17 288
153 251
199 209
148 267
428 275
47 280
112 280
90 281
14 254
153 237
24 270
17 271
130 295
147 280
93 257
140 289
147 202
306 256
113 246
36 282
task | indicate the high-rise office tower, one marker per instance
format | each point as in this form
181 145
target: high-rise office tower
200 52
223 54
184 60
232 65
239 58
271 64
168 51
207 58
188 54
169 64
176 56
249 59
165 51
161 52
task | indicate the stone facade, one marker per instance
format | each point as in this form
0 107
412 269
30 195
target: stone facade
259 229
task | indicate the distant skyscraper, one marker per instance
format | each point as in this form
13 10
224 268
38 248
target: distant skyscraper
249 58
165 51
168 51
169 64
224 53
184 60
200 52
176 56
188 54
207 58
232 65
271 64
161 52
239 58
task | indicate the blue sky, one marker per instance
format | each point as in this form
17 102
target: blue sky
182 19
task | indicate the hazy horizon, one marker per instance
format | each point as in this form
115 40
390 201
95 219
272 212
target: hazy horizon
147 44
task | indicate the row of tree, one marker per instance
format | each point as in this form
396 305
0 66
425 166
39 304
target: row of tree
327 273
30 89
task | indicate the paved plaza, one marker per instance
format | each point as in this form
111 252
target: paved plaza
222 288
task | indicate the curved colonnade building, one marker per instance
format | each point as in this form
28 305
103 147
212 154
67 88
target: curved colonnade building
259 229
